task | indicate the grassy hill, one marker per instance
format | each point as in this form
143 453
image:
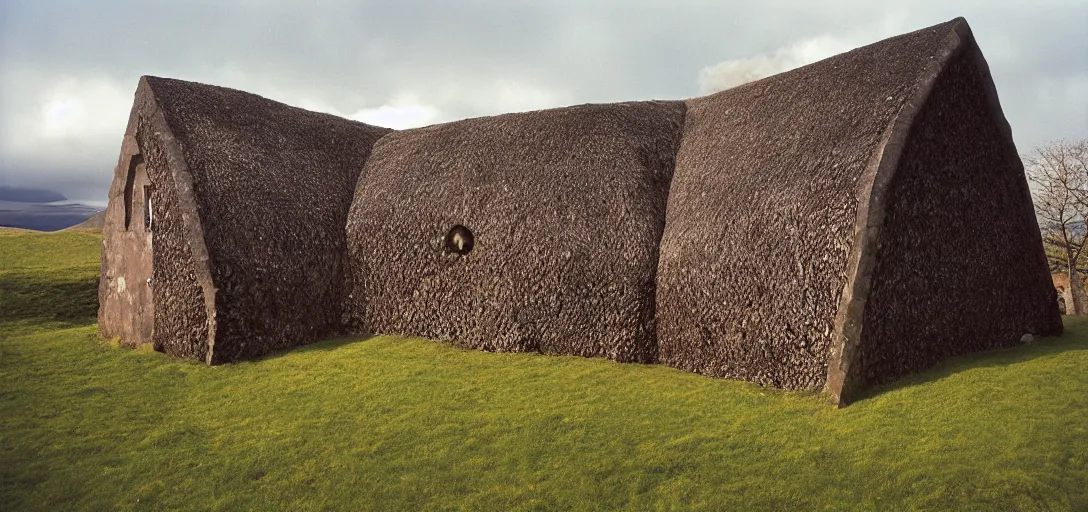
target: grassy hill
390 423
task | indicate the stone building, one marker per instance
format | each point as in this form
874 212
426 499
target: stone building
831 227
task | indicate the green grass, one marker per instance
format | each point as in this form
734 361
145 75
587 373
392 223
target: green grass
47 280
390 423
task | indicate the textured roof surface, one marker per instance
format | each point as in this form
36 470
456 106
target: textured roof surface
836 225
762 211
958 207
273 185
566 207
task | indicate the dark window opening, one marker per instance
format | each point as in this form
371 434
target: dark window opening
149 217
459 240
130 181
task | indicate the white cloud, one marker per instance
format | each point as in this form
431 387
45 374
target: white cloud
66 89
398 117
77 108
406 109
499 96
514 96
400 113
732 73
67 120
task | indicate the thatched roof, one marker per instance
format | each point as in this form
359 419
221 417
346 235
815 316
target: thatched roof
272 186
794 231
565 206
956 208
770 207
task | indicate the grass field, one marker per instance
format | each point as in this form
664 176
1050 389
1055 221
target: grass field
389 423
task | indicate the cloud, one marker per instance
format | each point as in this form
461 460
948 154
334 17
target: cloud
400 115
450 102
68 68
731 73
63 121
73 109
500 95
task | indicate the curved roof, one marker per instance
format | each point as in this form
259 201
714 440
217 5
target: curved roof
762 210
948 203
786 231
566 207
272 185
776 209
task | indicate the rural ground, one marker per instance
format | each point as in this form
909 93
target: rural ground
391 423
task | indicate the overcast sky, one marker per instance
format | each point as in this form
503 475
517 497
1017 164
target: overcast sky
68 69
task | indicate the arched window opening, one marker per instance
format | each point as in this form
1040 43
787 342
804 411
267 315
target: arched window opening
459 240
149 216
130 183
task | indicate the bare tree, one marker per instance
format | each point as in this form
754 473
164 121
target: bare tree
1058 172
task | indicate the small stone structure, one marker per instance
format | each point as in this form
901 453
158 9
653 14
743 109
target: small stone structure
832 227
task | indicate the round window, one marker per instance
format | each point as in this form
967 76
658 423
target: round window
459 240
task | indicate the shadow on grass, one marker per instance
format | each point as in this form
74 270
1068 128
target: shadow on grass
42 297
317 346
1073 340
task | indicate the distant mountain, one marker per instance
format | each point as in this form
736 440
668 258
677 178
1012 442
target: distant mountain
43 216
30 195
97 221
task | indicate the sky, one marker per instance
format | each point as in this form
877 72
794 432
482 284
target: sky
69 69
